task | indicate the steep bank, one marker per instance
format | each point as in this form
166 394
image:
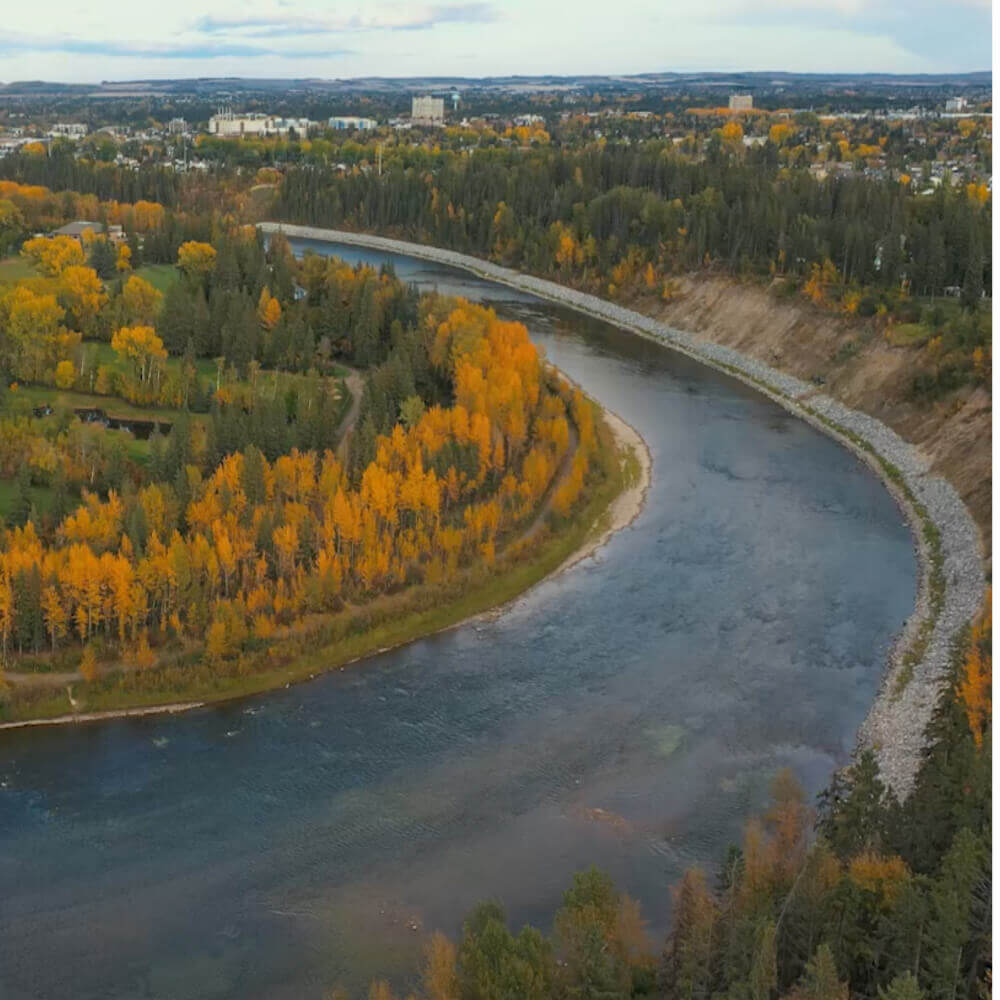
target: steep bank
858 366
947 539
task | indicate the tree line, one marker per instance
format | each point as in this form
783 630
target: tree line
743 213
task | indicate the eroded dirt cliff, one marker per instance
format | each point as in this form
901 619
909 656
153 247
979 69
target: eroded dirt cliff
859 366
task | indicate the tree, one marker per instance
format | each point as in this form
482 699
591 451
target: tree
949 931
440 973
102 258
32 337
268 309
54 613
593 966
196 260
82 294
65 375
686 968
52 255
88 664
976 677
142 349
11 225
411 410
123 261
903 987
854 810
495 965
141 301
20 509
820 980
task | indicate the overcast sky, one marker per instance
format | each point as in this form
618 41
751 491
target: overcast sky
75 41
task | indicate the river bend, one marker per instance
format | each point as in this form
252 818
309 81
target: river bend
628 713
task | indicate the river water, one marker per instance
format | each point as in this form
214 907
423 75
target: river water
629 713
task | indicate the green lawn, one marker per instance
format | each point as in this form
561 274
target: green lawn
112 405
160 276
105 355
16 268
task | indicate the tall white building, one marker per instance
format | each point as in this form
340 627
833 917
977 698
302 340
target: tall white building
741 102
428 110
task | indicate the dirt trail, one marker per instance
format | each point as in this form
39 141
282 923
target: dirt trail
562 474
355 386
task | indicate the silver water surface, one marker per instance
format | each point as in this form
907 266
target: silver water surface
628 714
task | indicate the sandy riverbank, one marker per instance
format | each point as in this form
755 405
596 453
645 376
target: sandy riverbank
62 720
627 506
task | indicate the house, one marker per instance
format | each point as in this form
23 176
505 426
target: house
741 102
77 230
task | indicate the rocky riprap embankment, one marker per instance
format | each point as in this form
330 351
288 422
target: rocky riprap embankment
896 725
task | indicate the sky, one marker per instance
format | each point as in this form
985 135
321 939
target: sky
81 42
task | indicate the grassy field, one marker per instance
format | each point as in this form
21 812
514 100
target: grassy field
160 276
105 355
15 268
333 641
112 405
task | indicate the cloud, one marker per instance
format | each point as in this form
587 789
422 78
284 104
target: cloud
12 44
411 18
954 35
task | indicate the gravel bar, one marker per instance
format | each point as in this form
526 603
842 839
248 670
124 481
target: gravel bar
897 722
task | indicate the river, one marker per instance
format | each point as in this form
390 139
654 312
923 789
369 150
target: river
629 713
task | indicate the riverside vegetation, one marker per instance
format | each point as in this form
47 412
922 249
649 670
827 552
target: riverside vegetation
207 560
891 900
885 900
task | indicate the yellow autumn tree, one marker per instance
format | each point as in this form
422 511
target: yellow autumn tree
65 374
975 686
196 260
82 295
141 301
268 309
142 349
88 664
33 339
52 255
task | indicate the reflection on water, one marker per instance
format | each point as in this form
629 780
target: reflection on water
628 713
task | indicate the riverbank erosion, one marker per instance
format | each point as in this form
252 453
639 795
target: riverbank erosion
948 542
